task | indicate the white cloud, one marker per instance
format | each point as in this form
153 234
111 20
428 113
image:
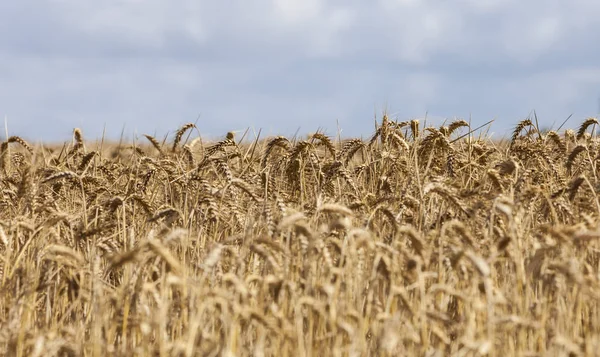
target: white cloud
296 12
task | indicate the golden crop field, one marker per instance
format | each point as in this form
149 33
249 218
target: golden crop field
418 241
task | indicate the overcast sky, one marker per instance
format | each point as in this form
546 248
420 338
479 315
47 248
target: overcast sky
283 65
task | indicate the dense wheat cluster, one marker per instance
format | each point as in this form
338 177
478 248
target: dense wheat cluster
419 241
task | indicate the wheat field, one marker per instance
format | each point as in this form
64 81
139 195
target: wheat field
417 241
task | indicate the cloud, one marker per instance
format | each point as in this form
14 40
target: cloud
284 64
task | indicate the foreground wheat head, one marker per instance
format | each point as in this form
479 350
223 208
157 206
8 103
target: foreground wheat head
418 241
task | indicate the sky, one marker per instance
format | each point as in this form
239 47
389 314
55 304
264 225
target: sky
286 66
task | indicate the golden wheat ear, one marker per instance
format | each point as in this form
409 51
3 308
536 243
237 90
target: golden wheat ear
520 126
179 134
585 125
154 143
21 141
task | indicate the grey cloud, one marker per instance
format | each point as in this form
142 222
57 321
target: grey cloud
284 64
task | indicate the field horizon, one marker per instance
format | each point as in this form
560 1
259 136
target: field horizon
333 130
